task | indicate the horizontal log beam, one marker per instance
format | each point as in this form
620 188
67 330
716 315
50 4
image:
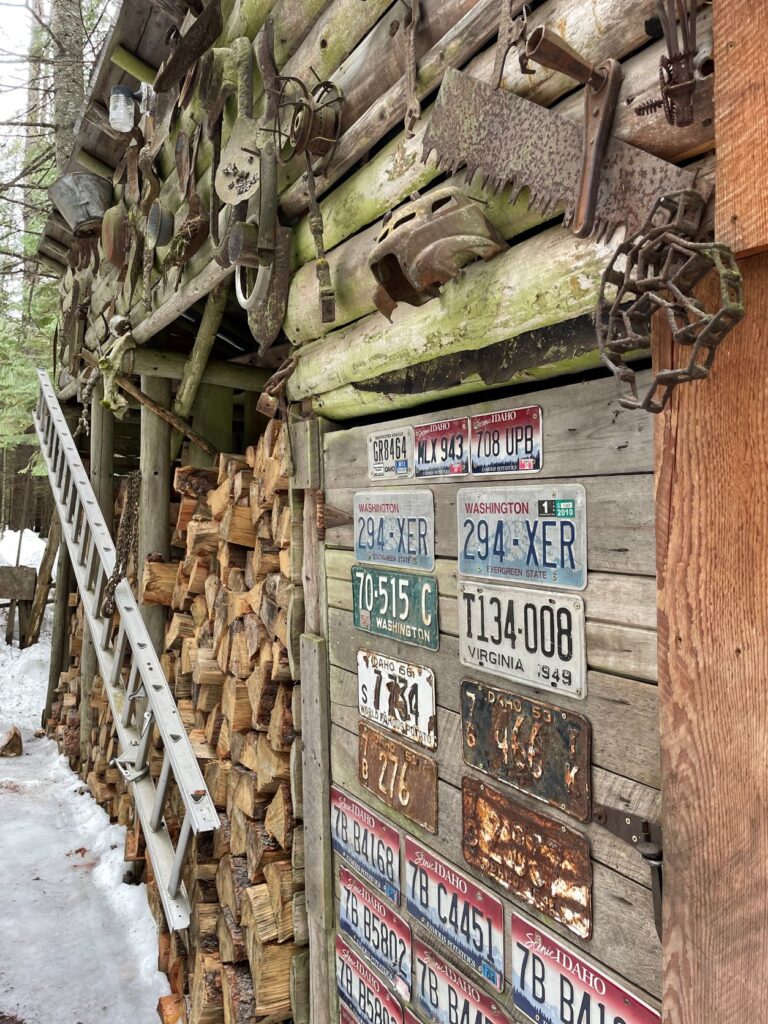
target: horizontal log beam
151 363
134 65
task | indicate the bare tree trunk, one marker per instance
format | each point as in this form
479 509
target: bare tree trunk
32 136
68 88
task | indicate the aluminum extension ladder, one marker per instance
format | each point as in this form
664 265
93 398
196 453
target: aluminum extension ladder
93 558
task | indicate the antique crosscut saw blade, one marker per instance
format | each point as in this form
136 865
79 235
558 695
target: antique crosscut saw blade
512 141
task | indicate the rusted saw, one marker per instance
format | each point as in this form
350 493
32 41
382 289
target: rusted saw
513 141
201 35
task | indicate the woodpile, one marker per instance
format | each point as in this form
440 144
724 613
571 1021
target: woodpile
235 614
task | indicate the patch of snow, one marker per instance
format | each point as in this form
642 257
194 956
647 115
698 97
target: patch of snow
32 548
77 945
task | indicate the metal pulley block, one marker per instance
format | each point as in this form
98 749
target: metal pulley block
425 243
656 269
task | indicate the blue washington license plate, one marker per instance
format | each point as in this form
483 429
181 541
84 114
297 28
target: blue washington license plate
531 535
395 528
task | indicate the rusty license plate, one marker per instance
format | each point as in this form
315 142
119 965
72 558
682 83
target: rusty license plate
402 778
553 982
398 695
366 996
383 936
537 748
541 862
445 996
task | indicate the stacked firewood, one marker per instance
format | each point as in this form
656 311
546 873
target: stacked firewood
235 610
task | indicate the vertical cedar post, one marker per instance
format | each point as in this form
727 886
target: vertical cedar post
102 481
712 538
211 417
59 633
154 528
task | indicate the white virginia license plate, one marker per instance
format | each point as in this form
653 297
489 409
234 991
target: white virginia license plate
533 637
396 528
536 536
398 695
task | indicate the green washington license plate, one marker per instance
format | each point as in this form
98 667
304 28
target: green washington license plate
399 605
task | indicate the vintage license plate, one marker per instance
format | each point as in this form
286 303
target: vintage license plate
530 535
539 861
397 695
390 454
366 996
507 442
446 996
383 935
459 913
402 778
442 448
537 748
399 605
553 983
395 528
367 842
533 637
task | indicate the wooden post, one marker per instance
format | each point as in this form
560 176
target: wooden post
59 635
43 585
101 476
155 495
712 536
12 609
212 417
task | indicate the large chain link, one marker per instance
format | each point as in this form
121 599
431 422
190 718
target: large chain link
127 540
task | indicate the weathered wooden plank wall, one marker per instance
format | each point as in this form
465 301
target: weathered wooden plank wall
587 438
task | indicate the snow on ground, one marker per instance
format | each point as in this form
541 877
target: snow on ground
77 946
32 548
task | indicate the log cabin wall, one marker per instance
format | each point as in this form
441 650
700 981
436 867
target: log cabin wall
518 327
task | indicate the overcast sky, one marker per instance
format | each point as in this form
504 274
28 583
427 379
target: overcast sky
15 25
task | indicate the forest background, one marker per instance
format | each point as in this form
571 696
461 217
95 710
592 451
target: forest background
48 49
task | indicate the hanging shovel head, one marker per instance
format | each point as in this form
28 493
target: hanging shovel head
512 141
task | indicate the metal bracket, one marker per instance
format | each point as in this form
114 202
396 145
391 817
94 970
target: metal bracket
413 108
646 837
513 31
123 764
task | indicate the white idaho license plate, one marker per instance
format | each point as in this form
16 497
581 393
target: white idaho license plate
368 997
390 454
554 985
533 637
367 842
395 528
398 695
469 920
383 935
446 997
536 536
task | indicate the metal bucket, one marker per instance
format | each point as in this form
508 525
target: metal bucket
82 199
